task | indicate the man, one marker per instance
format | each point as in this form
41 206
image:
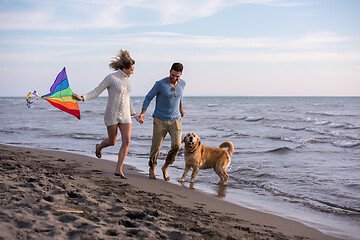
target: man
28 100
167 117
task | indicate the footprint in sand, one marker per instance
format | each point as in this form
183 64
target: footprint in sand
127 223
23 224
67 218
112 233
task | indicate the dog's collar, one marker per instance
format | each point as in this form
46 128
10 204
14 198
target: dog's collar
191 152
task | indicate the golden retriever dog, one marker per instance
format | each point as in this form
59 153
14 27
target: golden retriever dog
198 156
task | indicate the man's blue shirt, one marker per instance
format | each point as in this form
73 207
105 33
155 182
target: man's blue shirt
168 99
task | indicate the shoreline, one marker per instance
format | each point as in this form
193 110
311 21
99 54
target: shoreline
36 183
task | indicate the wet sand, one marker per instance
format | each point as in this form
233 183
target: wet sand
59 195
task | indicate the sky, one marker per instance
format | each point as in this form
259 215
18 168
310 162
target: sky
227 47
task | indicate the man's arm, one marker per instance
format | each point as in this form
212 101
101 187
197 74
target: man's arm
141 116
182 112
151 94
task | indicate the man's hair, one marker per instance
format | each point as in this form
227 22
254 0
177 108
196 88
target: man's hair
178 67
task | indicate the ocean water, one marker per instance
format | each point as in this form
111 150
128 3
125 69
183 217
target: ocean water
297 157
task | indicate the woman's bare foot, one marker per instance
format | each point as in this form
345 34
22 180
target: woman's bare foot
152 173
121 175
97 152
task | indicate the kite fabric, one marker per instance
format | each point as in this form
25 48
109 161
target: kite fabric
60 95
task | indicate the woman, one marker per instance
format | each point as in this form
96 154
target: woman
119 108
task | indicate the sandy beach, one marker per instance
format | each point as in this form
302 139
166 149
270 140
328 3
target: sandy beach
59 195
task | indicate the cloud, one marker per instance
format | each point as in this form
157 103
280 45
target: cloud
25 21
223 57
118 14
261 57
318 40
199 41
158 46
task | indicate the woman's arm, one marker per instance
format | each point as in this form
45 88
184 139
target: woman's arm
98 90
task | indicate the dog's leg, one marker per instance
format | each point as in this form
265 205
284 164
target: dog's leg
186 170
222 174
225 177
194 172
218 172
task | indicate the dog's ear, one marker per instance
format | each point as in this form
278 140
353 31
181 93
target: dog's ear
198 141
183 139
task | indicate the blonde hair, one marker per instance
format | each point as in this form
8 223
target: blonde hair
122 60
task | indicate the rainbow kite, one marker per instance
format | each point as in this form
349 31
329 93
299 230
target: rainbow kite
60 95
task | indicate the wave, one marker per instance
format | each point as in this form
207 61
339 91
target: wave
350 126
212 105
321 122
331 114
353 136
235 118
316 130
346 144
355 186
222 129
275 138
86 136
87 111
141 137
308 120
338 208
335 134
265 176
336 125
299 140
295 140
253 119
241 170
296 125
313 203
236 134
317 123
318 204
282 110
293 128
28 130
280 150
254 174
7 131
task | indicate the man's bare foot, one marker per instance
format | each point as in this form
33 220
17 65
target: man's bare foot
165 173
97 152
152 173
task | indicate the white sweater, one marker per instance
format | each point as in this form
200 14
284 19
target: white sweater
119 108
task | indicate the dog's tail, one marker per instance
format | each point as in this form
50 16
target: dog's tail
229 145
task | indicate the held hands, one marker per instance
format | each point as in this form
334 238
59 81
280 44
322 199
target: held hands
139 118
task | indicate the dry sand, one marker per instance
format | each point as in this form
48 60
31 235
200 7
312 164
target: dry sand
58 195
